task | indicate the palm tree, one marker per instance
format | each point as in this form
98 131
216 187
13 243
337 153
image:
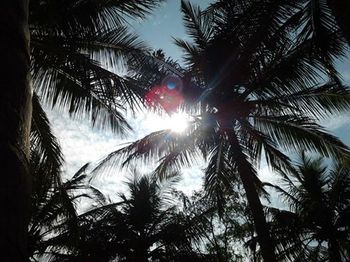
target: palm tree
317 224
68 41
145 224
54 206
259 91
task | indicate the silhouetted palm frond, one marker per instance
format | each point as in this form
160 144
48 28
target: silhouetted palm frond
318 198
54 206
79 52
144 224
45 150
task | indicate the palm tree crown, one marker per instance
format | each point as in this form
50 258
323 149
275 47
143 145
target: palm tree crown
258 91
317 225
77 52
145 224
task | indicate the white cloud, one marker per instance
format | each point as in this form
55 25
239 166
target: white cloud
192 180
82 144
336 122
267 175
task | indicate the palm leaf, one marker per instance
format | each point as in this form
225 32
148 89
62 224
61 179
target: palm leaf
301 133
44 143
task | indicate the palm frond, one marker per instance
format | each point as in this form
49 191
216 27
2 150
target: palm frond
319 25
170 149
69 50
88 15
94 95
192 54
44 143
198 24
219 175
147 148
319 101
301 133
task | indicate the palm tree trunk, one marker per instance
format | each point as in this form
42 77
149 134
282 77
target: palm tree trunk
246 174
333 250
341 11
141 249
141 255
262 229
15 118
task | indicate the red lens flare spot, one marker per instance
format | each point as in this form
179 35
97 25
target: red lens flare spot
168 98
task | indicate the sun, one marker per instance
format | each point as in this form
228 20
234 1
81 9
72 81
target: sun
178 122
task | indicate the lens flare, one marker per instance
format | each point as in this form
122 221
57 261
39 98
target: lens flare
173 82
168 95
171 85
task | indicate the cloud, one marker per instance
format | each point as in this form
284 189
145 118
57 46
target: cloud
336 122
192 179
82 144
267 175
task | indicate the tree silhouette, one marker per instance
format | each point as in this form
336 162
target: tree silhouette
54 206
145 224
317 225
257 91
331 13
53 203
77 50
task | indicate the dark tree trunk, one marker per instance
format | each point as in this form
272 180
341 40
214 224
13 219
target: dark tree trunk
141 255
341 11
262 229
15 118
246 174
141 250
333 250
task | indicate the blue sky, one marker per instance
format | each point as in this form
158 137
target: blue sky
164 24
81 144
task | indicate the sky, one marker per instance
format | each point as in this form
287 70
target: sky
82 144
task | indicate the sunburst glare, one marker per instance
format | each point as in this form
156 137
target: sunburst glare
177 122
